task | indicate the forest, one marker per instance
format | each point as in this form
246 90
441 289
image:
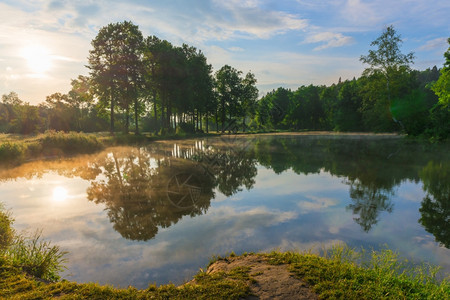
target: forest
148 85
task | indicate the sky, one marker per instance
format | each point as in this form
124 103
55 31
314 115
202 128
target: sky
44 43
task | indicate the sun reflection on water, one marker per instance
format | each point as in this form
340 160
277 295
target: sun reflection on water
60 194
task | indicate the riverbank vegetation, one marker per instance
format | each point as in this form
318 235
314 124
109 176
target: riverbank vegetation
341 273
18 149
145 84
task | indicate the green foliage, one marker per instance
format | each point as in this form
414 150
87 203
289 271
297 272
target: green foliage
346 114
11 153
69 143
442 86
412 112
347 274
439 128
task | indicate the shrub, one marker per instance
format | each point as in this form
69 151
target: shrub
11 152
69 143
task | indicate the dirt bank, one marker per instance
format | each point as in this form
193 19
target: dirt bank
268 281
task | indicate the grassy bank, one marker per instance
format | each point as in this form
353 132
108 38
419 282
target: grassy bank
347 274
15 149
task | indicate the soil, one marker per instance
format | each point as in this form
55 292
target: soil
270 281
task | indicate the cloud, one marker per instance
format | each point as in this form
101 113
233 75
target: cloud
329 40
316 204
435 44
358 12
236 49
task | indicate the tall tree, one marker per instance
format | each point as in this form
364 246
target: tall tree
442 86
387 59
114 62
228 84
249 96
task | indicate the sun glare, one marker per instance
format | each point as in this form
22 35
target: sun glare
38 58
59 194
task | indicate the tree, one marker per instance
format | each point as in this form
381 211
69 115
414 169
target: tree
347 116
228 83
387 60
442 86
81 98
12 99
249 95
114 63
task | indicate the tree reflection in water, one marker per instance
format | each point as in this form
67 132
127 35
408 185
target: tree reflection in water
368 202
153 187
141 197
435 209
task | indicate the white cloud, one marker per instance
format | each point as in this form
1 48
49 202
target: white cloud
434 44
236 49
358 12
247 19
329 40
316 203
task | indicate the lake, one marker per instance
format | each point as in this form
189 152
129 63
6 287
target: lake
158 213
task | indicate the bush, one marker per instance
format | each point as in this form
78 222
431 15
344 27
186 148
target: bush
12 152
69 143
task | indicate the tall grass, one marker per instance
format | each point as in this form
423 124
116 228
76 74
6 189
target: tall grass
37 257
31 254
69 143
6 231
51 143
348 274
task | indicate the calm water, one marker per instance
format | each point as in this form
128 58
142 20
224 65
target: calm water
156 214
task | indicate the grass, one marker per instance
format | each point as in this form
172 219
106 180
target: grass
347 274
15 149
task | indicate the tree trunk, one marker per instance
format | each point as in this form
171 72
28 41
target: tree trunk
217 121
127 119
136 116
207 116
112 112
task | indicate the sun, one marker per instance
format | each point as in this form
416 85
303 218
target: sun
38 58
59 194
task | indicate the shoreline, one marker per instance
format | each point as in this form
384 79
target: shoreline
275 275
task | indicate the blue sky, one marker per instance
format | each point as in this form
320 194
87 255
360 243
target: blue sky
44 44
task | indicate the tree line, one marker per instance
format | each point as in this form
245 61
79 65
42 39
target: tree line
148 84
145 83
389 96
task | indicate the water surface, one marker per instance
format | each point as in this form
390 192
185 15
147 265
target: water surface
157 213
